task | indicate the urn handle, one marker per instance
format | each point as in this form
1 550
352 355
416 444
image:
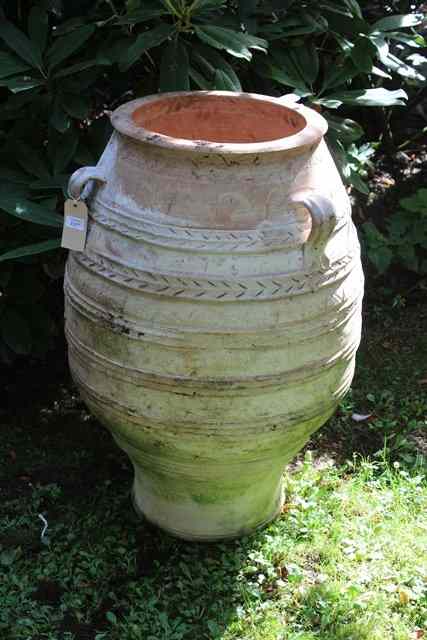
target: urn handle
322 210
80 179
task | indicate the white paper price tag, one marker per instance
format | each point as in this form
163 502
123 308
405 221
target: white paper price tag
75 225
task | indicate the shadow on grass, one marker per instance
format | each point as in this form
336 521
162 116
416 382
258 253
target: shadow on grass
102 567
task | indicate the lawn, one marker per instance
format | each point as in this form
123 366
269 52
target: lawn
347 559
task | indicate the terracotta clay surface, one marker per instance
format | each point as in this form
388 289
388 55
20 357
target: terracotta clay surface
214 315
218 119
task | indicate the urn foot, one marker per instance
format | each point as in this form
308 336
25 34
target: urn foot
200 514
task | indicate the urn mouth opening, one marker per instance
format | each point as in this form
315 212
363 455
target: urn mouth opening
214 118
219 121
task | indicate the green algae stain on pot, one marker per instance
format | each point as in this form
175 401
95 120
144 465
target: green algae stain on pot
207 498
214 315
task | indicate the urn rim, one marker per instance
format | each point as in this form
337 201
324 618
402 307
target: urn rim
127 119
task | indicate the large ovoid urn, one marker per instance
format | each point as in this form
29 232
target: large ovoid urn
214 315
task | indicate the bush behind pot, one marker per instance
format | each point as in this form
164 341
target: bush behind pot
63 64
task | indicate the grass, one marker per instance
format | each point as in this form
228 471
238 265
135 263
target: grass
345 561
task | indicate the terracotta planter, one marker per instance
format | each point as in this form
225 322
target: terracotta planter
214 316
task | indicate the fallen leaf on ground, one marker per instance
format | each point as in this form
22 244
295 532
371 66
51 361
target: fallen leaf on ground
404 596
361 417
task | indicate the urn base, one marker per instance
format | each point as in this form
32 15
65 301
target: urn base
197 522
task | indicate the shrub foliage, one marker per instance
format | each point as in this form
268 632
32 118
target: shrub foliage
62 65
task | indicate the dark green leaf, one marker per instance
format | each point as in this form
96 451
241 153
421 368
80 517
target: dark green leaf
14 106
407 71
286 70
358 183
200 81
174 67
111 51
306 61
76 106
146 41
414 40
199 6
48 201
84 156
14 190
340 156
408 256
111 617
345 129
379 253
209 60
75 68
132 5
304 23
30 159
172 6
222 81
18 41
61 149
10 64
29 211
78 82
59 118
379 97
337 73
202 62
350 26
38 27
375 237
54 182
12 175
363 54
15 331
68 25
416 203
354 7
66 45
283 76
235 43
141 15
31 249
382 46
376 71
345 44
381 258
390 23
21 83
278 31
